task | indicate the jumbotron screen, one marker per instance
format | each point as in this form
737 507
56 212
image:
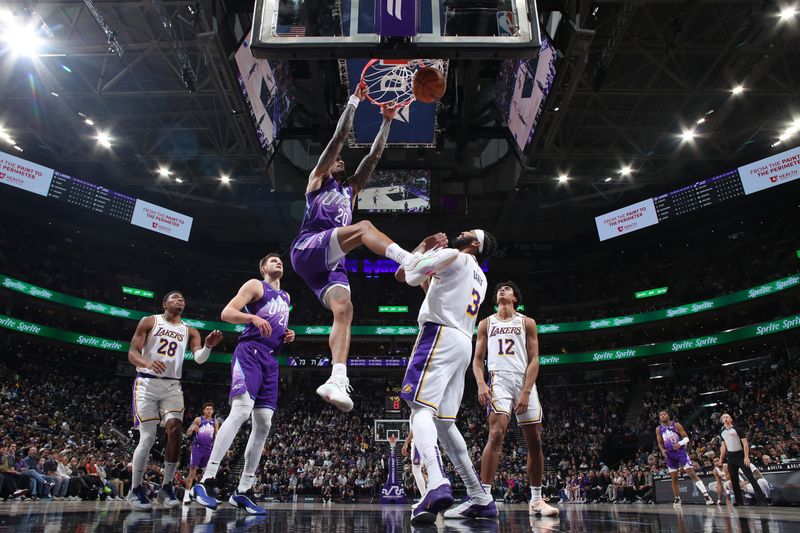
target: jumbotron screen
397 191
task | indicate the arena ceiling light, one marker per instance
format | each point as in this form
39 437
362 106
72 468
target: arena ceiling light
788 12
626 170
224 178
739 89
178 179
89 121
562 178
103 139
21 39
688 135
607 179
163 172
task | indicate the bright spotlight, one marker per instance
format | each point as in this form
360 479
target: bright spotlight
687 135
103 139
626 170
739 89
788 12
563 178
225 178
607 179
164 172
22 39
179 180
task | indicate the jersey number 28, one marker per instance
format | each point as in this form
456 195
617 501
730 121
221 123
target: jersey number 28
167 348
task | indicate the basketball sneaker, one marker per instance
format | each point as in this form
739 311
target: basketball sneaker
139 500
166 496
245 501
203 496
541 508
709 499
435 501
423 265
336 391
677 503
479 507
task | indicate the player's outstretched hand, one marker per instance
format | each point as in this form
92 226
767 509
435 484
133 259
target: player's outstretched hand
157 366
263 326
214 338
437 240
484 394
389 111
289 337
522 403
361 91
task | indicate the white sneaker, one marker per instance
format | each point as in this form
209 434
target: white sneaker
336 391
541 507
478 507
187 496
427 264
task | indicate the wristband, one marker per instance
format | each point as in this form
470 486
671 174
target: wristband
353 101
684 441
202 355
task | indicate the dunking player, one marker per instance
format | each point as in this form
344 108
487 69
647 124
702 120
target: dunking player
204 428
327 235
157 349
672 440
434 381
512 342
254 378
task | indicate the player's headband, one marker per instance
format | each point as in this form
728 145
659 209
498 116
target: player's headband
480 235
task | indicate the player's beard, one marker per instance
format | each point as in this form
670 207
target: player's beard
459 243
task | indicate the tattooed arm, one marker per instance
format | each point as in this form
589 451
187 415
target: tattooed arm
368 164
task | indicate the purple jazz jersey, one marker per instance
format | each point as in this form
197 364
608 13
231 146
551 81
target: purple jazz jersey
273 307
327 208
675 458
203 443
254 367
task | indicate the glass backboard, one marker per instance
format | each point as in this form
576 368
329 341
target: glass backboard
342 29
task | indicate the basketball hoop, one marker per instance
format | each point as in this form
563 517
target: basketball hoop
393 440
391 80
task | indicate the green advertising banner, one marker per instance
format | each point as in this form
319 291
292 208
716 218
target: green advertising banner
393 309
138 292
564 327
647 350
649 293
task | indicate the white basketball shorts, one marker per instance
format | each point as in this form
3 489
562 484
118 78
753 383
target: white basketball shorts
506 388
156 399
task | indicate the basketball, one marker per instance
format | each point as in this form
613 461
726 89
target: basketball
429 85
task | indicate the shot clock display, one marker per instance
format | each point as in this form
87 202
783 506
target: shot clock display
393 401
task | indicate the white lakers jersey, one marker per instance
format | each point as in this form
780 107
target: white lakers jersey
166 343
455 295
506 344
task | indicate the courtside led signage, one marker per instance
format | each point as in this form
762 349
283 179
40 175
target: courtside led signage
651 292
138 292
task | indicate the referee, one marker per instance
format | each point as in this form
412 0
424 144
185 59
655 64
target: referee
735 447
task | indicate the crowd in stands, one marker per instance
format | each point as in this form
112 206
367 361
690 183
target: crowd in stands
56 443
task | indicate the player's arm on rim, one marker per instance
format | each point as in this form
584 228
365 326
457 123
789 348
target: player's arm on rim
251 291
331 151
532 372
368 164
137 345
484 393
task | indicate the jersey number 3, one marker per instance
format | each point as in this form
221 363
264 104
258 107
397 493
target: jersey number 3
472 309
167 348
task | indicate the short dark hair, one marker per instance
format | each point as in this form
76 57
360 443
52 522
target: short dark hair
170 293
208 404
265 259
513 286
489 246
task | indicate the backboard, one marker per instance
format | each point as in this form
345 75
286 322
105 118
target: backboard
407 29
390 428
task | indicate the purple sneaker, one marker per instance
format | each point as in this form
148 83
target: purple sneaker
435 501
473 509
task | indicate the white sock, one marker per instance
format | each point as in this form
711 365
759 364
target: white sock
241 406
339 370
147 436
487 487
169 472
262 420
425 440
536 493
416 470
701 486
397 254
456 448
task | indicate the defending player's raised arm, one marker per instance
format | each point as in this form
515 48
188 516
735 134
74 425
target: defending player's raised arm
484 393
368 164
334 147
251 291
201 353
137 345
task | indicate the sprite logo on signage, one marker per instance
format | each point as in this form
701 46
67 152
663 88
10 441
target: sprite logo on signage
138 292
520 307
393 309
651 292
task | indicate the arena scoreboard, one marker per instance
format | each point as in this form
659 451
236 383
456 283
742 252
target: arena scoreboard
92 197
699 195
